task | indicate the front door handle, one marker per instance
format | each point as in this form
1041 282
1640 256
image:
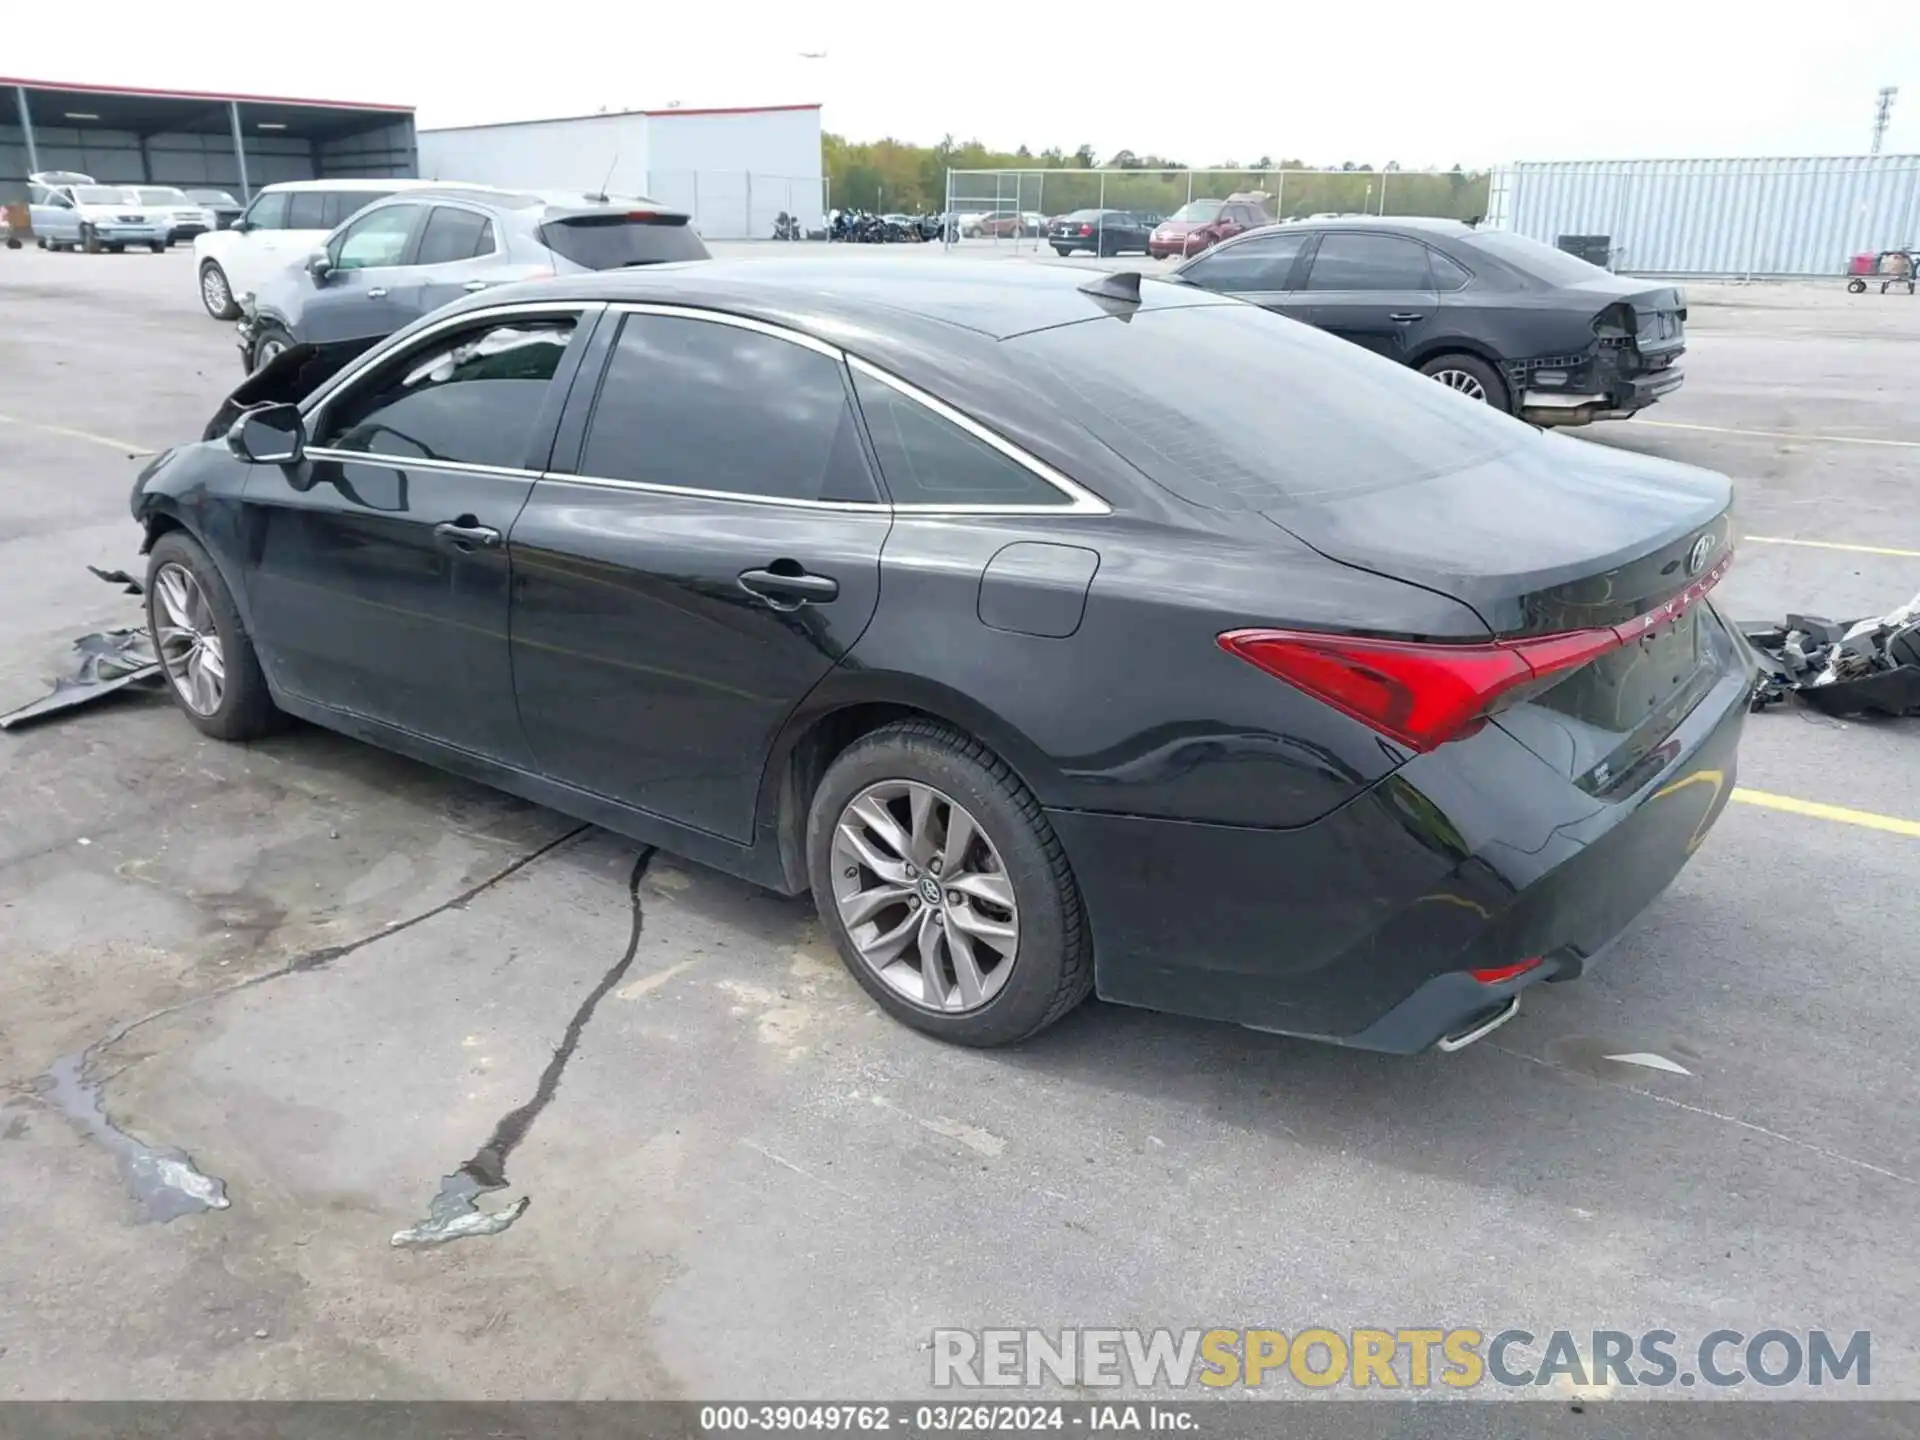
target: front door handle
785 586
377 292
473 285
466 535
1406 317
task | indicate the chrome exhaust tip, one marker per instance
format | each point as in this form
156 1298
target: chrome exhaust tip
1450 1043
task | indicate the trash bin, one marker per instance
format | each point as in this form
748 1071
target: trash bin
19 225
1594 249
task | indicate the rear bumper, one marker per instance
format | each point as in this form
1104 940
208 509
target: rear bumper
1360 929
1619 399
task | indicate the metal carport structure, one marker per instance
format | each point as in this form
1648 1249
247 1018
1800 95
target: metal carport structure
126 136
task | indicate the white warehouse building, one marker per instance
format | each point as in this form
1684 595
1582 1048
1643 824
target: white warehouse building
733 170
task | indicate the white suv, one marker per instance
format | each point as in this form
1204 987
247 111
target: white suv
284 224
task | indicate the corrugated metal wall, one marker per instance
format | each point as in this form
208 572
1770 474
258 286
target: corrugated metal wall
1761 218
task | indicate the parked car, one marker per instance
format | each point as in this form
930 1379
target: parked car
187 217
1496 316
1201 223
1104 232
413 252
70 212
225 208
1059 634
281 227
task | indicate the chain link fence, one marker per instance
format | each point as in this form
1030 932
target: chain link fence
1011 207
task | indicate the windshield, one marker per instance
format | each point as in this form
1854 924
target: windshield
160 195
212 197
1198 211
1532 257
1235 409
103 195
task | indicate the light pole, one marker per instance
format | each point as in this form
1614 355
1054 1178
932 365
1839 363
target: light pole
1882 111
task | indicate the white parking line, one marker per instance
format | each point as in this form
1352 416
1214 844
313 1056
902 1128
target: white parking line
125 447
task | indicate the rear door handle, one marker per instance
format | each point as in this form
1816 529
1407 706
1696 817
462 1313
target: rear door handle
465 535
789 587
1406 317
473 285
376 292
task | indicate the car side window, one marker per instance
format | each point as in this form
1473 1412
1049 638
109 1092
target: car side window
268 212
473 397
1446 274
1264 262
452 234
376 238
703 405
341 204
307 210
1369 262
926 459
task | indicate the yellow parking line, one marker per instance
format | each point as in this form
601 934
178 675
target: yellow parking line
1782 434
1834 545
125 447
1866 819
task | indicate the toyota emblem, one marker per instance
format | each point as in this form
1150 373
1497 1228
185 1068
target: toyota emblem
1697 557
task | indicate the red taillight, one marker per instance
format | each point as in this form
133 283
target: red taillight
643 215
1424 695
1506 972
1086 229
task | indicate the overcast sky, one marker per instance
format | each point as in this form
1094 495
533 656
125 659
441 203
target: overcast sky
1415 81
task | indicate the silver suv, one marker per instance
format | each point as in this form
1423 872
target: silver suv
397 259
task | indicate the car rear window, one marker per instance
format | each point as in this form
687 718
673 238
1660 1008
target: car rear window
609 242
1531 257
1234 408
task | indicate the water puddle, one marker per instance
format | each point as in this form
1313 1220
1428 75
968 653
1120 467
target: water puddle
163 1180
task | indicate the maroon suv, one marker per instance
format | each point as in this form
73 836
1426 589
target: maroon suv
1201 223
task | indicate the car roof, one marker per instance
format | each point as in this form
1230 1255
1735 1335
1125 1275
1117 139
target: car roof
389 182
836 299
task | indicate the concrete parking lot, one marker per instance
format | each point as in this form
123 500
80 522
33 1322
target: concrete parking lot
744 1180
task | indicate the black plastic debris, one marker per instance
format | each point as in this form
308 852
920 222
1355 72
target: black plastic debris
1856 667
118 577
110 660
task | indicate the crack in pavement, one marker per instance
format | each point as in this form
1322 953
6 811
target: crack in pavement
162 1179
454 1212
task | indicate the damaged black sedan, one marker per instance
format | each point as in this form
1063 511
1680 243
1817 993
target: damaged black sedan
1058 634
1498 317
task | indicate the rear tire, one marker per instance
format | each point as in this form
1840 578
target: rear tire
116 249
158 247
89 240
188 604
1471 376
1013 855
1063 251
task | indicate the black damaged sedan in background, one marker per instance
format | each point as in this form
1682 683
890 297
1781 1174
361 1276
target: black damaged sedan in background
1499 317
1059 632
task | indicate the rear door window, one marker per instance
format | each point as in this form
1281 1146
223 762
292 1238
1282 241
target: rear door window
700 405
612 242
1347 261
307 210
341 204
473 397
453 234
1264 262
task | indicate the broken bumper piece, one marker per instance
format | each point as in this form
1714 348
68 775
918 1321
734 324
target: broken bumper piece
1859 667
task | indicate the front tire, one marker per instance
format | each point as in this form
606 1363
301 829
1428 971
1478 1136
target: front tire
269 342
89 240
945 889
1063 251
209 662
158 247
1472 377
216 294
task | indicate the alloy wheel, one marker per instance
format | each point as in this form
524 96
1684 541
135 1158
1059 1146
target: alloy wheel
925 896
213 291
1461 383
266 350
188 639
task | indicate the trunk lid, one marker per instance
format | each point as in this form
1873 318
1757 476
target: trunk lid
1631 313
1563 535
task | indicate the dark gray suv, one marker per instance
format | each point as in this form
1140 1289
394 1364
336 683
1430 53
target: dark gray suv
410 253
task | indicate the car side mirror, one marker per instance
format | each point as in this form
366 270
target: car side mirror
241 224
319 266
269 435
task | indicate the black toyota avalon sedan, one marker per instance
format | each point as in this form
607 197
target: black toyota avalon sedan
1500 317
1059 632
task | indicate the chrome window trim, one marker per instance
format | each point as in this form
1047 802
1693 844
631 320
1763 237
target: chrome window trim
313 408
1081 501
413 462
647 487
723 317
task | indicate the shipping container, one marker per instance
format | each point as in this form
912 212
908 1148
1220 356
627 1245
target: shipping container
1761 218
